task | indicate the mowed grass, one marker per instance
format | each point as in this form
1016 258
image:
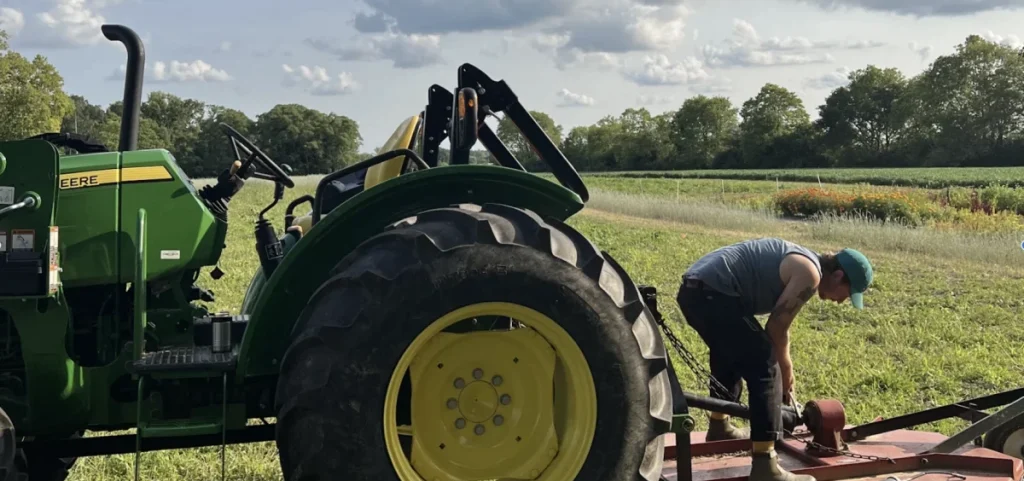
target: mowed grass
937 328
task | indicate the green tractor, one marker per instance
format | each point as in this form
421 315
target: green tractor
421 322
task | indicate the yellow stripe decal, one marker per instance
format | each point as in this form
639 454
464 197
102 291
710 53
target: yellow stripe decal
142 174
93 178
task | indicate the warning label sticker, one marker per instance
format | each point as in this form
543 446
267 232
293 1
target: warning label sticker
54 269
170 255
23 239
6 195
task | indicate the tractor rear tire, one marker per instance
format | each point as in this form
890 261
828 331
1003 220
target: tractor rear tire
335 376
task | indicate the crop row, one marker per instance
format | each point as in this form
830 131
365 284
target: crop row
933 177
989 209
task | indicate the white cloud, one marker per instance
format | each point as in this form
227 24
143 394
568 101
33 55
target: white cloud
571 99
404 51
659 70
459 16
1011 41
195 71
747 49
921 8
648 100
69 24
834 79
625 28
596 34
317 81
712 86
11 21
177 72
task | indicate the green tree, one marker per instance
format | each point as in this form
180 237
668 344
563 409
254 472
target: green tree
309 141
32 97
702 129
212 147
974 101
151 136
84 118
773 113
178 120
520 148
868 118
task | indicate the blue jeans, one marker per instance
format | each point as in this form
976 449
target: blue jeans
740 349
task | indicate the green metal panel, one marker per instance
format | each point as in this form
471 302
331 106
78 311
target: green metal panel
184 233
88 219
102 194
30 171
58 390
284 294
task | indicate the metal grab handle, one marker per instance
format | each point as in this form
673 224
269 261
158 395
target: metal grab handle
28 201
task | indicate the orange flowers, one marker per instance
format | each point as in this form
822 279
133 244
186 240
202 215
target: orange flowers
886 205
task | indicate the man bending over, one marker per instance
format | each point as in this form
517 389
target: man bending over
720 295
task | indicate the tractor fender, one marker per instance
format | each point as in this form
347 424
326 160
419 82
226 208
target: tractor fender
274 304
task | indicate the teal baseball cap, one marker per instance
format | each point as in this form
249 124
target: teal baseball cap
858 270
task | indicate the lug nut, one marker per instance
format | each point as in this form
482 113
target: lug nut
496 380
459 383
460 423
506 399
452 403
479 429
478 373
499 420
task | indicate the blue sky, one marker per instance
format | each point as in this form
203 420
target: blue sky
577 60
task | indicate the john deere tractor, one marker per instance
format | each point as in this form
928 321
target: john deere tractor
419 322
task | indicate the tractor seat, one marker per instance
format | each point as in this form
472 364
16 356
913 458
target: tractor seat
338 191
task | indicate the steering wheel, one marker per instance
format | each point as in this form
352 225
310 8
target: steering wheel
256 154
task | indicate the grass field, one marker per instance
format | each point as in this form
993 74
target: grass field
932 177
941 322
946 209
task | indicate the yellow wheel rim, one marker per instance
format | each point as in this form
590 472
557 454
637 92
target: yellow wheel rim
500 404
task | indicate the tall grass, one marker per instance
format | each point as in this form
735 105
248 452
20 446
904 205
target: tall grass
997 248
705 213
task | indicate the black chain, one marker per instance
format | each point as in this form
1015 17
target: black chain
698 370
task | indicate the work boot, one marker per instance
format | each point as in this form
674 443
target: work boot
765 467
722 429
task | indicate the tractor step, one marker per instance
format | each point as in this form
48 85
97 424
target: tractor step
181 427
186 360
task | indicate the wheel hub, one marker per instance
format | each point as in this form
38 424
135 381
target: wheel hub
482 406
478 402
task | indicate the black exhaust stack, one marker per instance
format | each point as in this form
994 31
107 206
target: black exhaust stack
132 83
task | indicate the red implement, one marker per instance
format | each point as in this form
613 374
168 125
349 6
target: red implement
730 461
827 456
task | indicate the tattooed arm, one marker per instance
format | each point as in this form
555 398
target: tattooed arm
801 280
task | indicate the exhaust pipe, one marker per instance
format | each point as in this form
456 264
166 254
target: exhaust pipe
132 83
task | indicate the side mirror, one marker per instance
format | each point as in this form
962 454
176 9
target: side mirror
464 125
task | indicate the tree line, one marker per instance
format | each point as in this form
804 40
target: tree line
965 109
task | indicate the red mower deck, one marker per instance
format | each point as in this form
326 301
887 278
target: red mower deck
730 460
